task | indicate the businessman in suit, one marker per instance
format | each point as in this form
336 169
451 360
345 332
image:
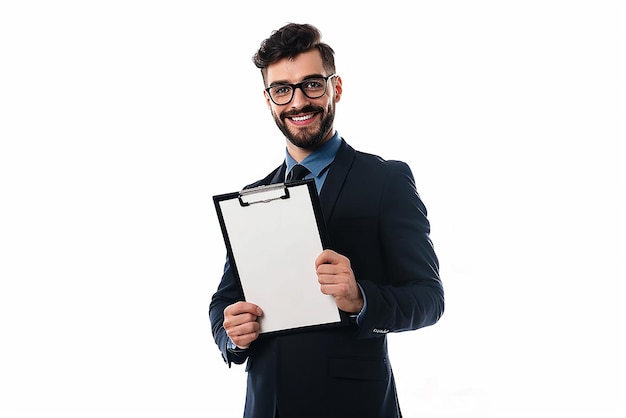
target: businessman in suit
381 269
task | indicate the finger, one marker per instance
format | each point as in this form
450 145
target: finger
231 321
244 341
332 270
331 278
327 289
327 257
335 289
243 330
239 308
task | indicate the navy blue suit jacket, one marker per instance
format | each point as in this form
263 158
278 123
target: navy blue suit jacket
374 217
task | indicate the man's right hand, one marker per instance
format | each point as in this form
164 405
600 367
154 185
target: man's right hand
240 323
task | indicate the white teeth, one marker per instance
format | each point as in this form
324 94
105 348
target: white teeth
302 118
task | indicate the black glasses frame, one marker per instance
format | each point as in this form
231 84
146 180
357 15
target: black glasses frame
299 86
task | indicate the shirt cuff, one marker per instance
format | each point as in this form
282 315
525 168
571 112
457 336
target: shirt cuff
359 317
232 347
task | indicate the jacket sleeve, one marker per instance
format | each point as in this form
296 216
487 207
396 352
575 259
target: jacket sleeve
227 293
411 295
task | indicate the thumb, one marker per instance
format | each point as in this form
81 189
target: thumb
327 257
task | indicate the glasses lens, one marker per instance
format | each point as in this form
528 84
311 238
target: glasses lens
314 87
281 93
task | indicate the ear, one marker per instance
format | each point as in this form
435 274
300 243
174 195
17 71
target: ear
268 101
338 89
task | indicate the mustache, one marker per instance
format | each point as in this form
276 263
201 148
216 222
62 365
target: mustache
305 109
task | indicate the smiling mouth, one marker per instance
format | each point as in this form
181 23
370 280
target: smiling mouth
302 118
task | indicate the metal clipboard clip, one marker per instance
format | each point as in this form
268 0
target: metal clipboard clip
269 193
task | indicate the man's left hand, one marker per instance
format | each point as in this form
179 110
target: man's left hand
336 278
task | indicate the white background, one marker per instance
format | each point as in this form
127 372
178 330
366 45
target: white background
119 120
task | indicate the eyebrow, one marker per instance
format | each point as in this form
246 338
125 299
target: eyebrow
279 82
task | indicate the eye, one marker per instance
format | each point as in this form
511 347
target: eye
281 90
313 84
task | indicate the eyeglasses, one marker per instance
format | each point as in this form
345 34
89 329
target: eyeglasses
313 88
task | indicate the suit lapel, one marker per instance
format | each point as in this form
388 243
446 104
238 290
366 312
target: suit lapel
279 175
337 173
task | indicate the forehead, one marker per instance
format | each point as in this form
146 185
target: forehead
296 69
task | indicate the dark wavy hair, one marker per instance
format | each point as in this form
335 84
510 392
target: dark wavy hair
289 41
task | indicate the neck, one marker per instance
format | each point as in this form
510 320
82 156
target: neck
299 153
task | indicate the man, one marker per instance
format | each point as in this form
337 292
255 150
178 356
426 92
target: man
382 270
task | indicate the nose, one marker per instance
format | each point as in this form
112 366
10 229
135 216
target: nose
299 99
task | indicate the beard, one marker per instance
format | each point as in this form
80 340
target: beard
313 136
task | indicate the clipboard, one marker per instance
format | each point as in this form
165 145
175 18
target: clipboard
273 234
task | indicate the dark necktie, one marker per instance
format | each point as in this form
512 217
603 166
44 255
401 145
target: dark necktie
298 172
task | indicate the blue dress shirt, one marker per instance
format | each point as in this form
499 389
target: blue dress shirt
318 161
